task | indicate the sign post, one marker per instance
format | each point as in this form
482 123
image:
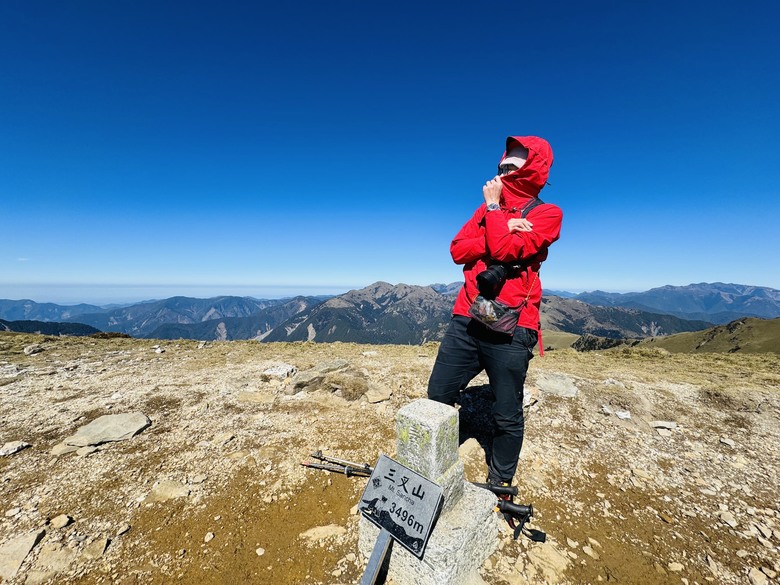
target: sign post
404 505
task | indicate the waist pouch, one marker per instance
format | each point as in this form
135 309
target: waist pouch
495 315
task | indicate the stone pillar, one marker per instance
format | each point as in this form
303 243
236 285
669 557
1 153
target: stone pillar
467 530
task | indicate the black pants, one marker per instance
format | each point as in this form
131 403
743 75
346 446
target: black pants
468 348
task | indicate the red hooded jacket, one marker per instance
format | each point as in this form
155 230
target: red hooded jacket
486 235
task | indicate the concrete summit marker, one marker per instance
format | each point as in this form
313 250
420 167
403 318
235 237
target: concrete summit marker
466 531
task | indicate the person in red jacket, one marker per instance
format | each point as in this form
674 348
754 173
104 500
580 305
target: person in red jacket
512 230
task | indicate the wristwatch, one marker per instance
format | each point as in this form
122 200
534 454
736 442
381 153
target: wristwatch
493 207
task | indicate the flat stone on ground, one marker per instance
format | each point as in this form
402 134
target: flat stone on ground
557 385
108 428
323 532
13 552
61 521
168 490
12 447
376 394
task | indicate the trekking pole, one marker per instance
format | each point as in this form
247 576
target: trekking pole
516 515
499 490
322 457
348 468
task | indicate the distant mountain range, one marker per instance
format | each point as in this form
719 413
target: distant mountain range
47 327
746 335
379 313
173 316
716 302
406 314
574 316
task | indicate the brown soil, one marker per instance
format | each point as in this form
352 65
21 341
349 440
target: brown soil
646 499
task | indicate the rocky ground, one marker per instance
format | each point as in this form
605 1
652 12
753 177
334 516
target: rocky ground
643 466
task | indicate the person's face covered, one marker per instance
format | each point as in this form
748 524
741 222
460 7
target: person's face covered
514 160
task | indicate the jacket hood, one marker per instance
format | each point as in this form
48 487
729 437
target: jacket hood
532 176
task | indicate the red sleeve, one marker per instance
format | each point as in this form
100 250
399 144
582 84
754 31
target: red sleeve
469 244
507 247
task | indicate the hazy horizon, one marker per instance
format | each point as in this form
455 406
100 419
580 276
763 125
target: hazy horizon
112 294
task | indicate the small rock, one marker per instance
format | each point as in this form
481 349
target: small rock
260 551
764 530
675 567
727 441
198 479
757 577
281 371
728 519
641 474
572 543
209 537
623 414
85 451
765 542
530 396
323 532
13 512
123 528
63 449
168 490
369 353
769 572
666 518
13 447
590 552
376 394
96 548
351 557
741 553
331 366
33 349
663 432
605 409
223 438
202 344
713 566
662 424
61 521
159 350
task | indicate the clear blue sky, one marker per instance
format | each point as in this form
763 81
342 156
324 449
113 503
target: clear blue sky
156 148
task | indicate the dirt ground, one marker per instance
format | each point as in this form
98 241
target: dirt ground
620 500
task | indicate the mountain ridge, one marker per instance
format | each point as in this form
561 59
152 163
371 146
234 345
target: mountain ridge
385 313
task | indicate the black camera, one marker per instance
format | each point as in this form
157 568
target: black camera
490 280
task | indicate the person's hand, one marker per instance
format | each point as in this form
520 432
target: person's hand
492 190
519 224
